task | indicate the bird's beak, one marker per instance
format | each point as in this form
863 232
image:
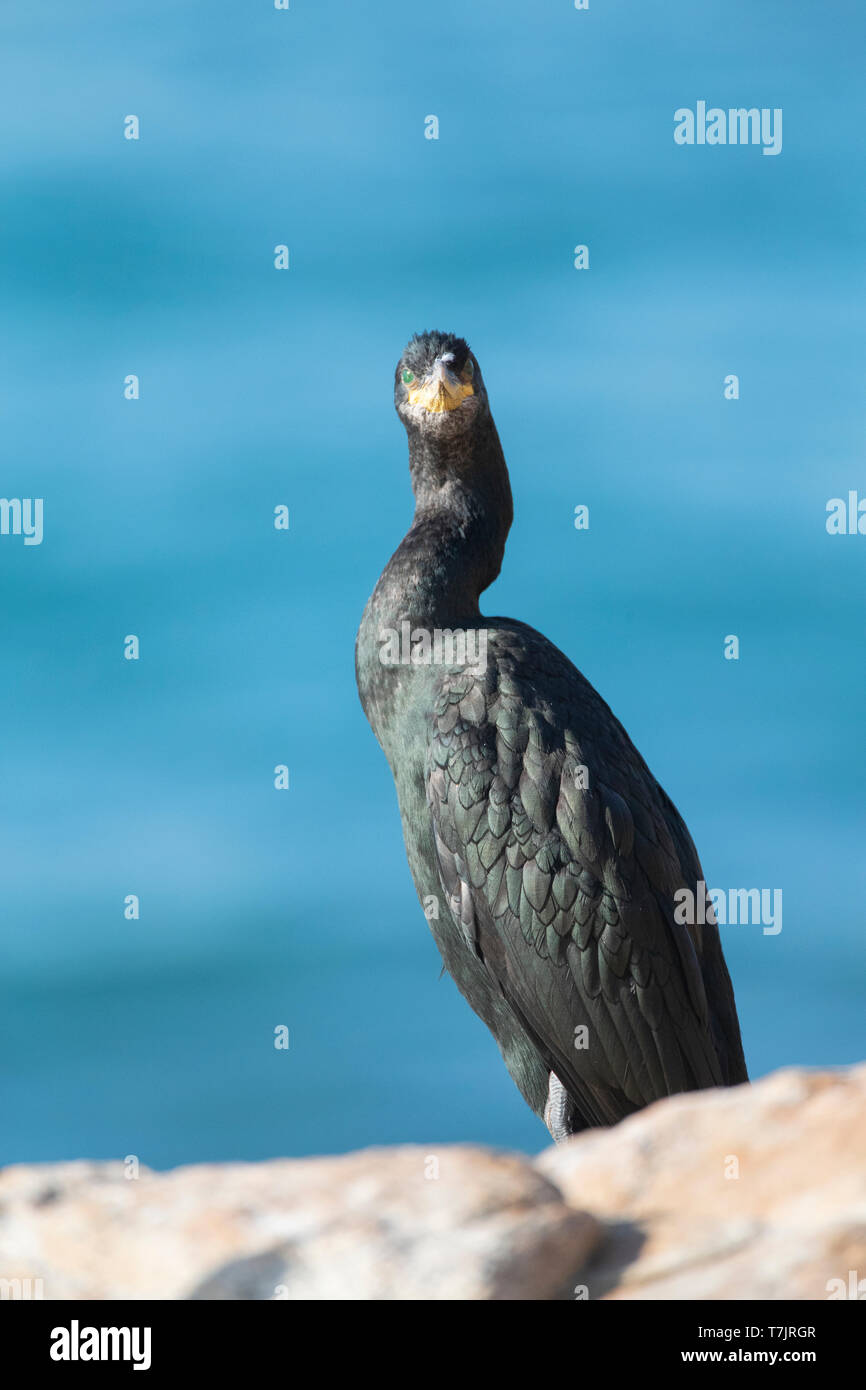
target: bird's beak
440 390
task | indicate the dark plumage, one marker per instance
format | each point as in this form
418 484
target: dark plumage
532 823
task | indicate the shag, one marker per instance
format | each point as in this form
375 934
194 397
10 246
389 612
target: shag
545 854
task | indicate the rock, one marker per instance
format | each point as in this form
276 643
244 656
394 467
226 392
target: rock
758 1192
404 1223
752 1193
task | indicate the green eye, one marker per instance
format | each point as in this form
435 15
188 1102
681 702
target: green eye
408 377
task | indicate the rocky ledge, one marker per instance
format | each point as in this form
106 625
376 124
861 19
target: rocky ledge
757 1192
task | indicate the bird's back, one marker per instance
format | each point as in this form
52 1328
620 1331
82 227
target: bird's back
560 857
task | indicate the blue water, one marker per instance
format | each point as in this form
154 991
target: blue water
262 908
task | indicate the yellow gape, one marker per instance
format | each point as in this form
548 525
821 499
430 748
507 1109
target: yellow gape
437 394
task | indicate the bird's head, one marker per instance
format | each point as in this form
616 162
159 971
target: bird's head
438 389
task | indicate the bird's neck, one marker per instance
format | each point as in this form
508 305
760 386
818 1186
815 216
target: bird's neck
455 545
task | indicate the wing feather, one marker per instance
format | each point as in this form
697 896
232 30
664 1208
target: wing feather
559 857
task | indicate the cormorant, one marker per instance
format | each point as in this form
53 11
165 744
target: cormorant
546 855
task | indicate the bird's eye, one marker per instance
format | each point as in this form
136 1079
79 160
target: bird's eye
469 369
407 377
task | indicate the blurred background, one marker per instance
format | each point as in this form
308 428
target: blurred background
707 517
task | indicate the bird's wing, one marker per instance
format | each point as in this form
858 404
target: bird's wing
562 881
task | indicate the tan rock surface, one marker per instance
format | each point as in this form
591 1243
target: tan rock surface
755 1192
370 1225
